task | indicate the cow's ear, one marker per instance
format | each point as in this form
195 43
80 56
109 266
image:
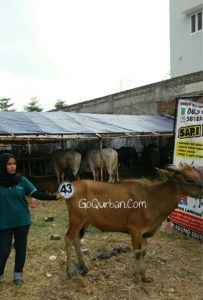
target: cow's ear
163 173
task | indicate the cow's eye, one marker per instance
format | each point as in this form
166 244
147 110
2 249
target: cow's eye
191 181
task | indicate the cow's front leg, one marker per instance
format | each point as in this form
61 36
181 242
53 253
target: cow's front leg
144 276
139 253
81 260
69 266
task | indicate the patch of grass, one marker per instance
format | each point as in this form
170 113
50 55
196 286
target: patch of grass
173 261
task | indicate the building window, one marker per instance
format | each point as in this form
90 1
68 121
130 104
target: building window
199 21
196 22
193 23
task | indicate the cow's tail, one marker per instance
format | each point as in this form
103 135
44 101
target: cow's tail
117 175
82 231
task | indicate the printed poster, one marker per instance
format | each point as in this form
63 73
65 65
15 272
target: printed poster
188 217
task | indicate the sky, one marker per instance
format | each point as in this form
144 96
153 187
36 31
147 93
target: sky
78 50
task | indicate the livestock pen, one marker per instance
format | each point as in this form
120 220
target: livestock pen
32 137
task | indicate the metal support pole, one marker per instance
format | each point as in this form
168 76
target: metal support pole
101 160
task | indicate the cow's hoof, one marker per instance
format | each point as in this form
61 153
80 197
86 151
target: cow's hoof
81 270
137 278
70 272
69 275
147 279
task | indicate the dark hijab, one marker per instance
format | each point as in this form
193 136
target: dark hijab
5 178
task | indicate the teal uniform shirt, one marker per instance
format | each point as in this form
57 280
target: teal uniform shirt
14 210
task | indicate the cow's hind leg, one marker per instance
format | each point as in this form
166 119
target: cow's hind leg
116 174
56 170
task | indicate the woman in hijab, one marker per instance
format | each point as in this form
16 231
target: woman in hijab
15 217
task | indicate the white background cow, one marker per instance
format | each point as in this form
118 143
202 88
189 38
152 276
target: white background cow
107 158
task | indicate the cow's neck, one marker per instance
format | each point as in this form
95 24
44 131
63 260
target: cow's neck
165 196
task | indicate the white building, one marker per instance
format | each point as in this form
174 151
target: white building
186 36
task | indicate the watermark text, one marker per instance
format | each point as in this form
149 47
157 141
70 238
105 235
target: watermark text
95 203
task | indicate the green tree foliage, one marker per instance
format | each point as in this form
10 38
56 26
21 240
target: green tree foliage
33 105
60 104
5 104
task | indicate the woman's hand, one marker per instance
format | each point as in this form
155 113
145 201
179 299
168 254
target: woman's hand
59 196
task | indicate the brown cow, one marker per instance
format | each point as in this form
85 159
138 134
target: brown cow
135 207
106 157
62 160
199 169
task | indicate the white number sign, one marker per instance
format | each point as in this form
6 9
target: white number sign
66 189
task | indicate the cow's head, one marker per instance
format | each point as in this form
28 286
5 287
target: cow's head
186 178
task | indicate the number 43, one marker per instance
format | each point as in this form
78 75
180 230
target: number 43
66 188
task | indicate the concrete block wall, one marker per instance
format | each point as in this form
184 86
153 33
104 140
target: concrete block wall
155 98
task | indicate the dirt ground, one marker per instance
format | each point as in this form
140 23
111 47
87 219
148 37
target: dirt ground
174 261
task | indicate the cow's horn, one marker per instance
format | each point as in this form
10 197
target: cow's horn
172 168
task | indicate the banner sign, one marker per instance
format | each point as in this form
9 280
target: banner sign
188 216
